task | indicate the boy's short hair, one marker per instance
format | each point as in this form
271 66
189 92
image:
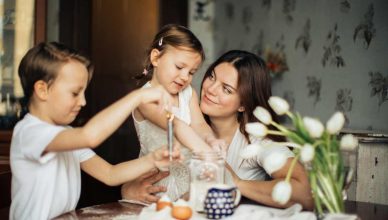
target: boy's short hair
43 62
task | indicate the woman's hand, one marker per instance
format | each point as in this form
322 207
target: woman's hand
235 178
142 188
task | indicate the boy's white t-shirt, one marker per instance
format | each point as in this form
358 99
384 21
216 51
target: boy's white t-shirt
43 186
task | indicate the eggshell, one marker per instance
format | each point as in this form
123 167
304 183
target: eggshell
162 205
163 202
165 198
181 202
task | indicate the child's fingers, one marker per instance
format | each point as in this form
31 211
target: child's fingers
165 101
162 152
218 145
161 106
176 154
165 153
177 145
164 104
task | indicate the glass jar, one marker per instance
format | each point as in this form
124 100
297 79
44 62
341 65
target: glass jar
206 170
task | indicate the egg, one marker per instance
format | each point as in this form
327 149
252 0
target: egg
163 202
181 210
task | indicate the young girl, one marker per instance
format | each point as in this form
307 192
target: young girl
173 57
47 154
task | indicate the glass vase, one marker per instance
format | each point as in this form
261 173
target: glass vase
327 178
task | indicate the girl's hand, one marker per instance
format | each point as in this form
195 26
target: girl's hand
217 144
161 157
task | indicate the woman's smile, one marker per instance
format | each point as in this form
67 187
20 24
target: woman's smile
208 100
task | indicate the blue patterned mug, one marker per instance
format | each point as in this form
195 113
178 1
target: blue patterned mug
221 200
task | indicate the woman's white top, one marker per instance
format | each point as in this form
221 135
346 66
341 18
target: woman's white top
252 168
44 185
152 137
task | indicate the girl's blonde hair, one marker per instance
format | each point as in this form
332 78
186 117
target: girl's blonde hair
173 35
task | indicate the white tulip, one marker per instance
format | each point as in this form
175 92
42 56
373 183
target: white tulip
281 192
263 115
250 151
274 162
279 105
314 127
348 142
256 129
307 153
335 123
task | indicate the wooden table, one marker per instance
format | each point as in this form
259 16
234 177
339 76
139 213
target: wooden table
116 210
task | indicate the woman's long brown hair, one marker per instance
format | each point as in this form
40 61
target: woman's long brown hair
254 86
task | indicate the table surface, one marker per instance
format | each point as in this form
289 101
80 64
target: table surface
120 209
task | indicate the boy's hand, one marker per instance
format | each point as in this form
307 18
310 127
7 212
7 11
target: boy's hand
161 157
156 94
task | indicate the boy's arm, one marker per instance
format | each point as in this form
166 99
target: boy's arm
114 175
103 171
102 125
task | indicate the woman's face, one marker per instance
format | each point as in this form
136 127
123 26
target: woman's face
219 95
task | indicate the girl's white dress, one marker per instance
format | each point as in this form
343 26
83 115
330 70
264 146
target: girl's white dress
152 137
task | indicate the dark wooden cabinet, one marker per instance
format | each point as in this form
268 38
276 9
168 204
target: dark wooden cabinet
5 142
5 171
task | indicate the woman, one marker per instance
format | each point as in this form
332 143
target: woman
231 89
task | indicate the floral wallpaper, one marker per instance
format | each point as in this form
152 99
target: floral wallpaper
332 51
335 52
365 30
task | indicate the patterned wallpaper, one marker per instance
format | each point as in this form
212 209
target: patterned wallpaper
334 53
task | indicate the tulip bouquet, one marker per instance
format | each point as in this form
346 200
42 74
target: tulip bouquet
316 147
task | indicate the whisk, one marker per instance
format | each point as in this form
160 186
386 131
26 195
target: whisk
170 135
172 189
